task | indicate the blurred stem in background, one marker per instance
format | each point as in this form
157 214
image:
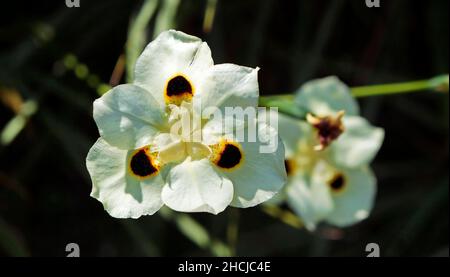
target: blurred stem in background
137 32
233 230
284 216
210 12
166 16
195 232
147 246
10 242
286 105
18 122
82 72
438 83
136 35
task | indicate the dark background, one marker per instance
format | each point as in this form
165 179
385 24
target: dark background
44 185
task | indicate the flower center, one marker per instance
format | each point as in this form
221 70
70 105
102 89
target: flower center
184 139
328 128
142 164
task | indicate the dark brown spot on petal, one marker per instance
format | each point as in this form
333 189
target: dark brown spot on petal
230 156
337 183
141 164
178 85
290 166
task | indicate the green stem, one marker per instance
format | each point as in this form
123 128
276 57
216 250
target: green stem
137 35
233 230
195 232
436 83
284 216
208 18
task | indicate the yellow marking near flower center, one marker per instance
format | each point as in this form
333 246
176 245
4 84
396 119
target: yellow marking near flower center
227 155
178 89
291 166
142 164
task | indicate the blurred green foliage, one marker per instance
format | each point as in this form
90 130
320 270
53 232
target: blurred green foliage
54 61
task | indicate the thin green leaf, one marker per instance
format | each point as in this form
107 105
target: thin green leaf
195 232
137 35
10 241
165 19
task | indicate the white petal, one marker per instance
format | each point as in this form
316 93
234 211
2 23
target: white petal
170 53
194 186
326 96
358 145
127 116
122 195
277 200
310 200
355 202
215 129
261 175
229 85
290 131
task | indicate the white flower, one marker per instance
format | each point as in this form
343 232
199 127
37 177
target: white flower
157 146
327 156
339 196
328 97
